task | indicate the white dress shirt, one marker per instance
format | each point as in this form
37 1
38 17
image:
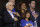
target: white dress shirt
11 13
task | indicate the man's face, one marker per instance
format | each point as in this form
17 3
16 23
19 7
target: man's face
32 4
10 6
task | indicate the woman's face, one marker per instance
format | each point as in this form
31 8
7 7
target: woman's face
23 6
27 15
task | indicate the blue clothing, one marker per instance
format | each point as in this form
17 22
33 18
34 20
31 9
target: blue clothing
13 10
24 23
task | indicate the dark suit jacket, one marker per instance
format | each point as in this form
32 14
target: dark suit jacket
8 21
33 19
1 24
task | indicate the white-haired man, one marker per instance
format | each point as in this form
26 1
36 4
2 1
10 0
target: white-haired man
16 13
9 18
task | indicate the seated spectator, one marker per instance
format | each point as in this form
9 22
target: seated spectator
26 22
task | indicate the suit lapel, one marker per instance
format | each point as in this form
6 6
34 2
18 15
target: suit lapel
9 15
31 15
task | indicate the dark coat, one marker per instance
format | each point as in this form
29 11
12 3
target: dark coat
8 21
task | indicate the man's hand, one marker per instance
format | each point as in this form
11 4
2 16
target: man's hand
16 13
36 15
15 19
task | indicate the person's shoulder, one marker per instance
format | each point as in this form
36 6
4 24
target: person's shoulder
30 21
22 20
5 13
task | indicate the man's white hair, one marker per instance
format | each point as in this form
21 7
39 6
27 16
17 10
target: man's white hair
8 3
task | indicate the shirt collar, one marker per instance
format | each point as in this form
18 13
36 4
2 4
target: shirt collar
9 11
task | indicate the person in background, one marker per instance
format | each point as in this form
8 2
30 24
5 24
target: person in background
9 18
22 9
26 22
12 1
34 13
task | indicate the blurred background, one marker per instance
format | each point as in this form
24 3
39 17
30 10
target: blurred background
3 2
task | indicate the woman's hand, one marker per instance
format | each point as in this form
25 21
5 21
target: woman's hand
30 24
27 25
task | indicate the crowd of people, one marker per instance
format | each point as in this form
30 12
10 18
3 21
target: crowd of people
24 17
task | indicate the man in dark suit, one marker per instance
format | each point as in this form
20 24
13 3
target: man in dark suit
9 19
34 14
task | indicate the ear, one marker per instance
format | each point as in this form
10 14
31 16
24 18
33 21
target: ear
7 7
29 4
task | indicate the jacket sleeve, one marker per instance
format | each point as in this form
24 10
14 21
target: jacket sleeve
7 19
